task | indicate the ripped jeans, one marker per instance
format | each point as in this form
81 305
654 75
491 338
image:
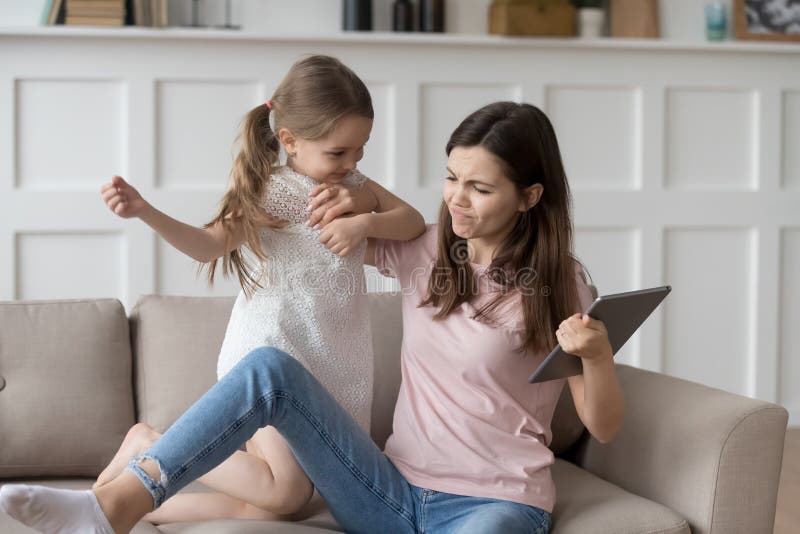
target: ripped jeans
362 487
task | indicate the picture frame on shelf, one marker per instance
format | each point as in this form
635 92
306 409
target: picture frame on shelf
766 20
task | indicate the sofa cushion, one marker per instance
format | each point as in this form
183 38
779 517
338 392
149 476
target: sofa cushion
586 503
566 426
68 400
387 336
176 342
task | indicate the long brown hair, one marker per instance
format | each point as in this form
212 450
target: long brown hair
535 261
316 92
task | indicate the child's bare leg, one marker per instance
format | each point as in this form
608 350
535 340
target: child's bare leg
206 506
138 439
267 476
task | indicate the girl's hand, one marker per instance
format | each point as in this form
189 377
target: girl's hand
343 235
122 198
585 337
329 201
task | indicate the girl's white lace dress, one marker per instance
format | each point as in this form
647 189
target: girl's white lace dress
313 304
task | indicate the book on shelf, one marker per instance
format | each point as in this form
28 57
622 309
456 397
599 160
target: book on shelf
56 12
101 12
44 20
94 21
150 13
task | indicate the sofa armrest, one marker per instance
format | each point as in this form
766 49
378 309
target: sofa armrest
712 456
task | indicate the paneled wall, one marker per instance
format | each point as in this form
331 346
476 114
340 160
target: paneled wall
683 160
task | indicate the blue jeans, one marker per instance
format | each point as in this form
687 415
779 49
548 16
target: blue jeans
362 487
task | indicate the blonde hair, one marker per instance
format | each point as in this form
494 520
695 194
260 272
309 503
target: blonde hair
315 93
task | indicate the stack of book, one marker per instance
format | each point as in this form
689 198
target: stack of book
95 12
151 13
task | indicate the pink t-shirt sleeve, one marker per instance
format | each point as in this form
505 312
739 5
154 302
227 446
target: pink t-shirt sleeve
398 259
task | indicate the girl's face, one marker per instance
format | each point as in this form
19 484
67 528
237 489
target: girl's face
330 158
484 204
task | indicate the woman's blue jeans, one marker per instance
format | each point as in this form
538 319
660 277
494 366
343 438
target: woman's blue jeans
363 489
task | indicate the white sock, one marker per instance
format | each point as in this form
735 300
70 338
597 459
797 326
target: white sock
54 511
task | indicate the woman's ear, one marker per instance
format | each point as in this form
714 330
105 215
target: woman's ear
288 140
530 197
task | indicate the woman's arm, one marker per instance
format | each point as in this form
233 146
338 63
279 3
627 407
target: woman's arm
201 244
597 393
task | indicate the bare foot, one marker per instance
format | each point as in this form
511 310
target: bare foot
139 438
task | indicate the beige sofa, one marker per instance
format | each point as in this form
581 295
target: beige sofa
77 374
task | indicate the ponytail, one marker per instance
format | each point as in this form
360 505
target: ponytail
243 203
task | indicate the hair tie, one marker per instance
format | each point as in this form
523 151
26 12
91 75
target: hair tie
268 103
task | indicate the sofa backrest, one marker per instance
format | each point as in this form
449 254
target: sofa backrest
66 396
176 341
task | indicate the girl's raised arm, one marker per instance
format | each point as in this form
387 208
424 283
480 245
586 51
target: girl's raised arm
201 244
393 218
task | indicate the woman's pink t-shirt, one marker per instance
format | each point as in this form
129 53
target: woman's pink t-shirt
467 420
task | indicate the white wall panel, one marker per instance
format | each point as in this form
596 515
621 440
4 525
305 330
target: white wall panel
789 361
70 265
708 313
791 139
711 139
197 122
69 133
599 133
177 274
378 162
442 108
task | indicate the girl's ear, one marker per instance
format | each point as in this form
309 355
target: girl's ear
530 197
288 140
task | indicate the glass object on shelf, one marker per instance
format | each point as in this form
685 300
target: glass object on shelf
716 21
228 25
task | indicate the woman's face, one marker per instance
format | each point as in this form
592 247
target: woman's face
484 204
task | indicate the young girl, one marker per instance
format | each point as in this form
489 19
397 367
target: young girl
486 294
305 292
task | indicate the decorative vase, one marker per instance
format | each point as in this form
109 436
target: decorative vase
431 15
591 21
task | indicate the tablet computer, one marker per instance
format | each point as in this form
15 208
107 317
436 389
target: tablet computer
622 313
